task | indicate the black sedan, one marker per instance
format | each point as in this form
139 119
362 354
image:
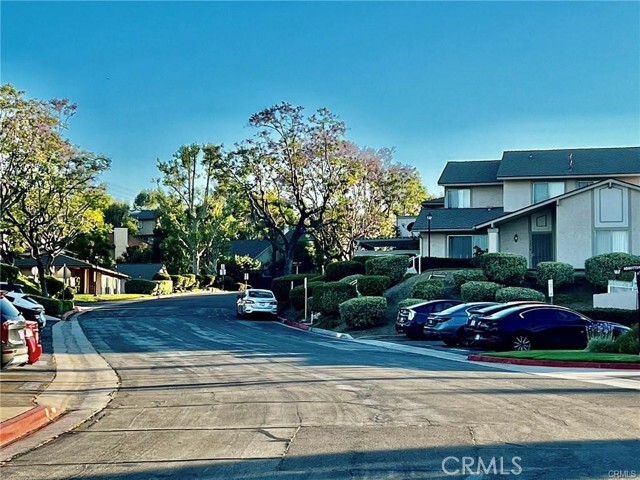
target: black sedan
411 319
526 327
448 325
476 313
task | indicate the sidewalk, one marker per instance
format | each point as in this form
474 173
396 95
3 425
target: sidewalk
69 388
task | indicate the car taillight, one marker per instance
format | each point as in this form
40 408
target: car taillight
249 301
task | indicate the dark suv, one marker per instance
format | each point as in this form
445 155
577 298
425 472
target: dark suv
411 319
526 327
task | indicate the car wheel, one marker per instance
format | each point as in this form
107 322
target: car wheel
521 342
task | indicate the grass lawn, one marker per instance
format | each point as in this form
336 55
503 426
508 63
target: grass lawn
108 298
569 356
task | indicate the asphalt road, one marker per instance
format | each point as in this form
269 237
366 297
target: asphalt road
204 395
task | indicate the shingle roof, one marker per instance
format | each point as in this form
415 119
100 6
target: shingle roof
59 261
470 172
146 271
570 162
454 218
434 202
145 215
252 248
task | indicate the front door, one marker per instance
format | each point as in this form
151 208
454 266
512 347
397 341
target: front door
541 248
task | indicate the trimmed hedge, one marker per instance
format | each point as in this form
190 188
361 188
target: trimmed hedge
54 285
407 302
512 294
479 291
53 306
602 345
338 270
280 286
363 312
350 278
373 285
138 285
468 275
429 289
9 273
296 295
161 276
190 281
363 258
206 280
29 286
164 287
67 293
178 282
615 315
392 266
328 296
599 269
628 342
407 276
505 268
562 274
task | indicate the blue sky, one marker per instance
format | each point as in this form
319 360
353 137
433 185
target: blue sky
437 81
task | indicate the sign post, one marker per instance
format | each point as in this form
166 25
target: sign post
223 272
635 269
550 288
305 299
246 280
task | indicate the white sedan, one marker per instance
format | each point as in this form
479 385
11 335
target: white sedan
256 301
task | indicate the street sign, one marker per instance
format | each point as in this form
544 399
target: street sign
631 268
223 271
246 276
34 271
550 286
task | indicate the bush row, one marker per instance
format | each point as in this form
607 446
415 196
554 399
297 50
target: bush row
53 306
338 270
328 296
280 286
363 312
600 269
428 289
392 266
627 343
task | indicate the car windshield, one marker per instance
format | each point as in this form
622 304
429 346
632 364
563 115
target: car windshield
260 294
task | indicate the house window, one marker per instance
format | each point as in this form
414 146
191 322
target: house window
462 246
610 241
585 183
459 198
545 190
611 207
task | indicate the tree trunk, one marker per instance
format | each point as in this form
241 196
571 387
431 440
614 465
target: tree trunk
41 275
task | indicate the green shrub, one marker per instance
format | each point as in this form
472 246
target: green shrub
479 291
407 302
373 285
407 276
468 275
512 294
29 286
206 280
328 296
363 258
162 276
599 269
319 278
138 285
429 289
164 287
8 273
296 295
616 315
67 293
628 342
178 282
53 306
190 281
281 285
562 274
601 345
363 312
338 270
505 268
54 285
351 278
392 266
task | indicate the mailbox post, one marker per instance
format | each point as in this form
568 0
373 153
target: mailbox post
635 269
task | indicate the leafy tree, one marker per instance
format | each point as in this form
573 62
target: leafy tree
145 199
48 188
94 246
195 217
117 214
289 172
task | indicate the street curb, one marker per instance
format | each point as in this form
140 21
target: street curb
317 331
552 363
26 423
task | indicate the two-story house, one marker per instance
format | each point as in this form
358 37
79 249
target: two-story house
563 205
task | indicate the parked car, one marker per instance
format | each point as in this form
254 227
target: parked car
256 301
411 319
474 314
11 287
28 307
14 346
526 327
448 325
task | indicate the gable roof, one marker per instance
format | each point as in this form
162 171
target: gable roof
252 248
145 215
446 219
469 172
549 201
576 162
69 261
434 202
146 271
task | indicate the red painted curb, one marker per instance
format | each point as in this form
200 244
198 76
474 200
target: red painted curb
301 326
27 422
552 363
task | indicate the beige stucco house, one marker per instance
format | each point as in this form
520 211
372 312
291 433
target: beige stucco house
562 205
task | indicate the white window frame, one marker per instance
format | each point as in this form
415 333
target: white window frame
612 224
486 237
457 192
549 187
